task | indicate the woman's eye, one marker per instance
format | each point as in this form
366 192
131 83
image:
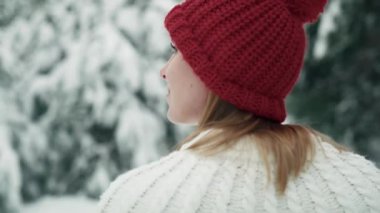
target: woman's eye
173 47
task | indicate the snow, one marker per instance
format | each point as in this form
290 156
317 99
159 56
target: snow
132 135
127 21
10 177
327 26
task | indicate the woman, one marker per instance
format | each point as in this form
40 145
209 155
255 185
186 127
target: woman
234 64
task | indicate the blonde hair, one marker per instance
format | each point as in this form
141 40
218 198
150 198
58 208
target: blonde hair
290 145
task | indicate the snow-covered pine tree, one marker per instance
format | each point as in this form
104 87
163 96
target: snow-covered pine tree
339 89
83 81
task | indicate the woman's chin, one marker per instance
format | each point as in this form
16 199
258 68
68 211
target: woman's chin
173 118
178 119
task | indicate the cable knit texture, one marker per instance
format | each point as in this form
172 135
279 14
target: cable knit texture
235 182
248 52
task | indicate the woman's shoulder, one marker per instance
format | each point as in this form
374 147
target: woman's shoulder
159 184
346 164
344 159
125 190
345 178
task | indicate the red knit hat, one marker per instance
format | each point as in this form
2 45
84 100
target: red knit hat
248 52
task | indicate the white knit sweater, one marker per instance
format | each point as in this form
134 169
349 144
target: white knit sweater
235 182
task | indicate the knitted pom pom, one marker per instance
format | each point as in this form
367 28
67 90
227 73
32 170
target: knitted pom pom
306 10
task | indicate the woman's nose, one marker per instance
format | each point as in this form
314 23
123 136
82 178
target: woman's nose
163 69
162 72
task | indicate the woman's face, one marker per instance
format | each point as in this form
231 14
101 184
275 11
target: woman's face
187 94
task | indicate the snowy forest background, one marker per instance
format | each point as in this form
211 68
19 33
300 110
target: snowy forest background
81 99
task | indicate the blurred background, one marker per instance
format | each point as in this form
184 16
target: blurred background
82 101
